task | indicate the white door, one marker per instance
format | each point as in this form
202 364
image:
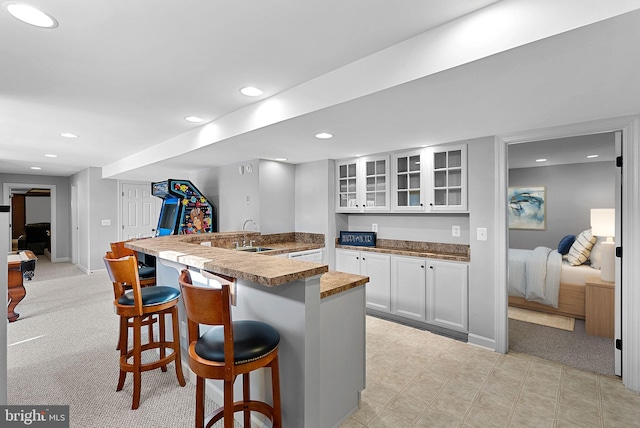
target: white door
378 268
348 261
408 287
140 211
618 277
447 302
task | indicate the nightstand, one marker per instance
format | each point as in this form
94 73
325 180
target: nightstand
599 307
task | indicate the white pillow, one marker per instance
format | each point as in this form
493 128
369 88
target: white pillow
581 248
596 253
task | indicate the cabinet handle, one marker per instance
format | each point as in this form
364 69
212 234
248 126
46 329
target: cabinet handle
430 267
431 204
363 258
422 266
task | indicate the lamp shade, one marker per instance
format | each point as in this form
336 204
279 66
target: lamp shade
603 222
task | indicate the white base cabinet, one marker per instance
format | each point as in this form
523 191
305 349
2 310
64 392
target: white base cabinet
448 295
374 265
427 291
408 287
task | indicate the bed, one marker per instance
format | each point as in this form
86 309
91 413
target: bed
570 286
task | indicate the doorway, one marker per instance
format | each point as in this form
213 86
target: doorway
628 297
21 188
573 176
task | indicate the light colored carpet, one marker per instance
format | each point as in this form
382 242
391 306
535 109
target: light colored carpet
549 320
61 351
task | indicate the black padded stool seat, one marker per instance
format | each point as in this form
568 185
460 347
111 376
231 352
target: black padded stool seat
147 272
251 340
151 296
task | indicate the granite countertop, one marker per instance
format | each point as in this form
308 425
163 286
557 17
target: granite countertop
255 267
431 250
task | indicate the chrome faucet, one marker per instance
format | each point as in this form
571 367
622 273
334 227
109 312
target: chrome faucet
244 241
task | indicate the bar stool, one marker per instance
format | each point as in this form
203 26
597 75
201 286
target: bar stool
228 349
147 273
126 323
138 304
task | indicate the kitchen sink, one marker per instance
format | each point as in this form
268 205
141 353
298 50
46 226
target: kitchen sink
253 249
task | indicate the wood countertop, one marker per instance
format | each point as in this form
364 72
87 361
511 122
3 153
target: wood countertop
254 267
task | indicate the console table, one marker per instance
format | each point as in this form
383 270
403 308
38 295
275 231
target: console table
15 290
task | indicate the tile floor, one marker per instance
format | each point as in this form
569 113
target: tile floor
419 379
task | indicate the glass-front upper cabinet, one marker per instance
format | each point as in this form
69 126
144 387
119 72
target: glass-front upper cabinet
448 178
408 172
347 181
363 184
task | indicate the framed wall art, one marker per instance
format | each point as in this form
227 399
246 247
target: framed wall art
527 208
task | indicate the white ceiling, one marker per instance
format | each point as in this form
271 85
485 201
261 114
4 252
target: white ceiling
123 75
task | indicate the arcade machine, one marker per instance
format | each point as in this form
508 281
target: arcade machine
184 209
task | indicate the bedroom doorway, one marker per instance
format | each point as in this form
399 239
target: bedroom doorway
572 174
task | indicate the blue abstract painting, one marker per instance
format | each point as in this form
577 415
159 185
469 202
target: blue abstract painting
527 208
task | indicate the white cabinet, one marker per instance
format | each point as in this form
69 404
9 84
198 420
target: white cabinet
447 294
408 287
374 265
448 178
408 180
363 184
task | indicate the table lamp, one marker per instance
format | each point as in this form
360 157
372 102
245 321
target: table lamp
603 223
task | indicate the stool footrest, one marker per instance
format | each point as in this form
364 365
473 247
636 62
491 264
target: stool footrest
241 406
129 367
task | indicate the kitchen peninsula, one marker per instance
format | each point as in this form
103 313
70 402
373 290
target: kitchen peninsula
320 316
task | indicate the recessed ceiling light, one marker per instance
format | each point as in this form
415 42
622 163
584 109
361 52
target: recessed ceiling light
541 160
68 135
35 167
280 159
251 91
324 135
592 156
51 156
30 15
193 119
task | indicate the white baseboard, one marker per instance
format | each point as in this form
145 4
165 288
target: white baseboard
481 342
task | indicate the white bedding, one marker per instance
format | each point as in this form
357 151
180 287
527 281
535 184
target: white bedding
535 275
576 275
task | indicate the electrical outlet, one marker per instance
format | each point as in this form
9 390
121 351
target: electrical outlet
374 227
482 234
106 222
455 231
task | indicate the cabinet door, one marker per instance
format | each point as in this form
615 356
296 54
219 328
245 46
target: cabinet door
347 186
378 268
408 173
408 287
447 301
348 261
375 179
448 178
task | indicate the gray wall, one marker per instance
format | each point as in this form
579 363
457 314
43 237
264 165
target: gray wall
38 209
265 195
98 198
482 213
571 191
63 207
